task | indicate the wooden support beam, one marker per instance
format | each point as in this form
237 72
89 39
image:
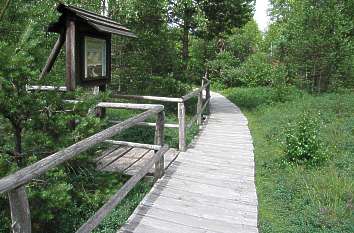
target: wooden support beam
182 126
134 144
196 92
207 97
45 88
152 124
70 56
102 111
159 140
129 106
195 117
156 98
53 55
191 95
199 108
97 218
20 212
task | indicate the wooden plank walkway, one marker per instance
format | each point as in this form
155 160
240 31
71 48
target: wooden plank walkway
129 160
210 187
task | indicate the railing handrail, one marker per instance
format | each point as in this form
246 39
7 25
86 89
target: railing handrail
148 97
25 175
196 92
182 125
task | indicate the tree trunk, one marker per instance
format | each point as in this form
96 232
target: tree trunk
18 143
185 46
2 12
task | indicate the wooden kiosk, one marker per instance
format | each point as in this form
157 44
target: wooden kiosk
87 38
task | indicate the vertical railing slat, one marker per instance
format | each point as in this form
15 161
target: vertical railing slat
20 212
159 140
182 126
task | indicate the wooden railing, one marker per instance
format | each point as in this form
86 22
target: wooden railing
203 104
14 184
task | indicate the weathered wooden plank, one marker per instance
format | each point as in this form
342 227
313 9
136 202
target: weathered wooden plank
203 211
199 108
53 55
146 224
97 218
203 199
152 124
200 174
70 46
106 152
182 126
169 157
247 168
134 144
20 212
45 88
129 106
156 98
213 190
197 222
111 157
159 140
206 160
134 168
125 161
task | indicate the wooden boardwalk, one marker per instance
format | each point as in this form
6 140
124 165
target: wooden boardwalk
210 187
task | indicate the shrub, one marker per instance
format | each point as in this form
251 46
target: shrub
256 96
302 141
255 71
221 68
150 85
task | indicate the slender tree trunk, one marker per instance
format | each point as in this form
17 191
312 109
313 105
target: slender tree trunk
18 143
2 12
185 46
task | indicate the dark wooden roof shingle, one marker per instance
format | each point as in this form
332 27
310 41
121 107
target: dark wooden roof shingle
98 22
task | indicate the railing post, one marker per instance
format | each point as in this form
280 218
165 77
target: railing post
199 107
182 126
100 112
159 140
20 212
70 56
207 97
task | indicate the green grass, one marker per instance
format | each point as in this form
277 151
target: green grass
300 198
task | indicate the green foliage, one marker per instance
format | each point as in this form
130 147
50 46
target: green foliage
255 71
221 67
301 198
314 40
302 141
223 16
244 41
252 98
152 85
241 64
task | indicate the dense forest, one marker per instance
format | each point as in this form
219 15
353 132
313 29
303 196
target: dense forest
294 82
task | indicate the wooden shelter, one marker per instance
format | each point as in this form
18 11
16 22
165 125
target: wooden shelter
87 38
